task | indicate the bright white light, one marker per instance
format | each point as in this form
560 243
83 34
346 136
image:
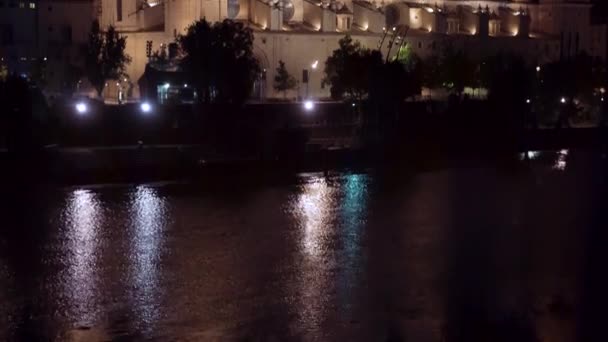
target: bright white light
145 107
353 104
44 58
563 100
528 101
428 9
167 85
309 105
81 107
538 69
560 162
394 28
314 64
185 85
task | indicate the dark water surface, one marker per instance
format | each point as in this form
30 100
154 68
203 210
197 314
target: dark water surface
460 254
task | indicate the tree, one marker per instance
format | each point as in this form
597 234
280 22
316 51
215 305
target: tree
220 59
431 73
105 56
3 72
457 71
283 81
349 69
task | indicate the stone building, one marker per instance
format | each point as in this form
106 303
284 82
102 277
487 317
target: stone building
303 33
44 37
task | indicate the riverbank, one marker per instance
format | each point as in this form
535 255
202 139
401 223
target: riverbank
146 163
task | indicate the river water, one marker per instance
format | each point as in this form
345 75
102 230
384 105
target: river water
466 253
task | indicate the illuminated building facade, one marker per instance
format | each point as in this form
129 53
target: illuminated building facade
303 33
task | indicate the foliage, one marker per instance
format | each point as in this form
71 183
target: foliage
283 81
508 79
3 72
577 80
457 71
431 72
220 59
105 56
71 77
349 69
38 73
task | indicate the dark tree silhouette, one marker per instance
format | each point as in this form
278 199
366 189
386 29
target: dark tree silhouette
105 56
349 69
220 60
457 71
283 81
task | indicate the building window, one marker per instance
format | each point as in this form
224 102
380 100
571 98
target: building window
22 5
118 10
32 5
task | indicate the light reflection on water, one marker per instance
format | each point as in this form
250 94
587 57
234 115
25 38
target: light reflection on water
330 214
344 258
148 214
314 206
83 218
558 159
313 211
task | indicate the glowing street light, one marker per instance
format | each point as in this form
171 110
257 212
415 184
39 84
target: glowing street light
528 101
563 100
314 64
309 105
145 107
538 68
81 107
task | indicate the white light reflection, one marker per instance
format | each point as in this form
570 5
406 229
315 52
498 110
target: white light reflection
314 209
83 218
148 224
560 161
532 155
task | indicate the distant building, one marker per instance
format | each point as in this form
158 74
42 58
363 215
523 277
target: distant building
303 33
44 38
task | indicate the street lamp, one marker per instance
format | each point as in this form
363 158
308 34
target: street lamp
145 107
81 107
309 105
314 64
538 68
563 100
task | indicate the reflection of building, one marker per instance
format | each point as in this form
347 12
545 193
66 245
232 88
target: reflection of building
300 32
